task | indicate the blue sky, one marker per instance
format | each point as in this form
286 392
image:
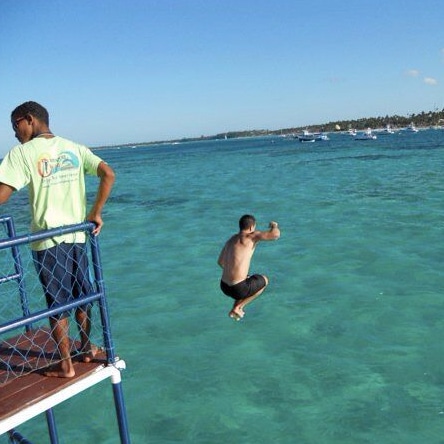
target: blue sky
113 72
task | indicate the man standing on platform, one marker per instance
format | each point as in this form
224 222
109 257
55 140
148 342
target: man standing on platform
53 169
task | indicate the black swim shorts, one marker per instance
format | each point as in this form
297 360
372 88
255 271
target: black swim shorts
244 289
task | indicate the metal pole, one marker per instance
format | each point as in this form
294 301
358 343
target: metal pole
16 438
52 429
116 380
121 413
9 222
106 327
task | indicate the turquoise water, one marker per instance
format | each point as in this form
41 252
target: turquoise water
345 344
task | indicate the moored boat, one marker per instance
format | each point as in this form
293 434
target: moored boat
366 135
387 130
411 128
308 136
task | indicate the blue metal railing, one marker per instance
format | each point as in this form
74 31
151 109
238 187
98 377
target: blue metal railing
13 242
18 275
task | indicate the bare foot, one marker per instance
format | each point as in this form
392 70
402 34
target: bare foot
63 370
88 355
236 314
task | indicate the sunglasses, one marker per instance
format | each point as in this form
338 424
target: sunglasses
16 122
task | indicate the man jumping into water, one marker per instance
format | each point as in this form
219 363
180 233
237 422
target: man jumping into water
235 259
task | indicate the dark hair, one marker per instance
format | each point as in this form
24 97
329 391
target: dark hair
35 109
246 221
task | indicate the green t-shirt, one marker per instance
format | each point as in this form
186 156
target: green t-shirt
54 171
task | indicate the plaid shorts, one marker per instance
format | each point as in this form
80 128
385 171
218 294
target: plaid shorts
63 272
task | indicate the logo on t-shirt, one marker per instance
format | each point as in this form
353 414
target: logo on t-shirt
48 166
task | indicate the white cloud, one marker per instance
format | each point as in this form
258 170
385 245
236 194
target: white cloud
413 73
430 81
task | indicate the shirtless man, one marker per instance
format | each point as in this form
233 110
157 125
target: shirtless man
235 260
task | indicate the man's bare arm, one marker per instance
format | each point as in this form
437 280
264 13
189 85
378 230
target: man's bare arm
220 260
107 177
272 234
5 192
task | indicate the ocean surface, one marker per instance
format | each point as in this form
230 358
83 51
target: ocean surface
345 346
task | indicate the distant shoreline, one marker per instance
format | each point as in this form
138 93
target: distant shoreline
423 120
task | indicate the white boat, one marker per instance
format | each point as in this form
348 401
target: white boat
366 135
387 130
321 136
411 128
352 132
308 136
